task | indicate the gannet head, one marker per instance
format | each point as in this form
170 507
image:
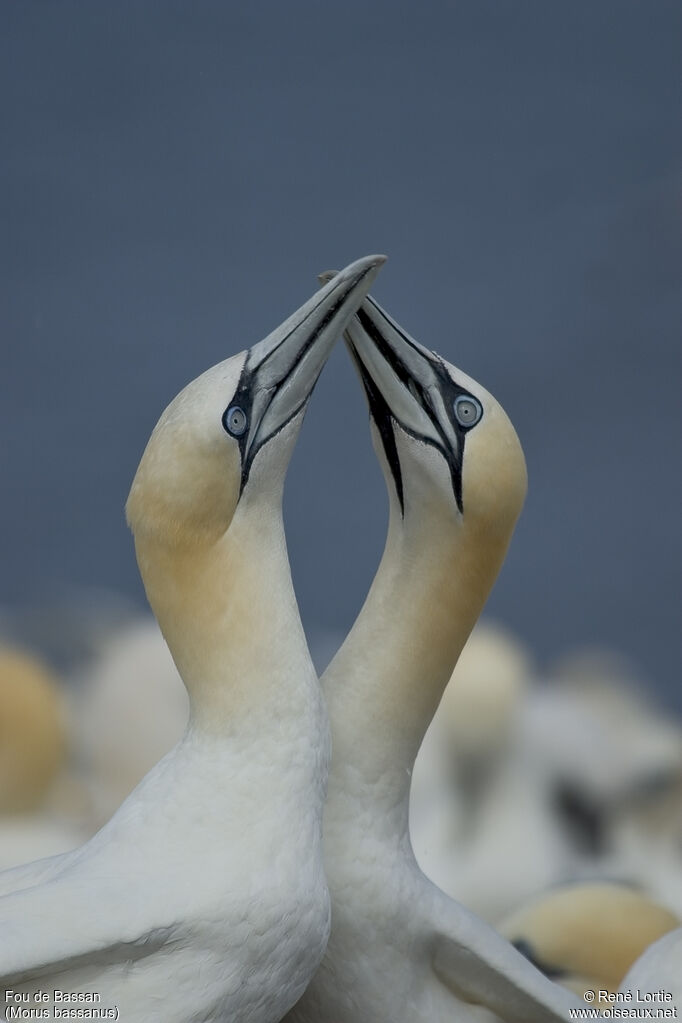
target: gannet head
445 443
587 935
229 434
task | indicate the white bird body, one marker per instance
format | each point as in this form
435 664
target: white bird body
165 929
656 977
23 837
400 950
204 897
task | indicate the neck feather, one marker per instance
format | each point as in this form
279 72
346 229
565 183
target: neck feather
385 683
228 613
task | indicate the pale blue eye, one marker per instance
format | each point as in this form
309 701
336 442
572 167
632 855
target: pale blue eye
468 411
235 420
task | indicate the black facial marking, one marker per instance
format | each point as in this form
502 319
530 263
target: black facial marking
448 388
243 398
382 416
526 950
248 386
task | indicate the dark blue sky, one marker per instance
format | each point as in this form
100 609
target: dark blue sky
173 176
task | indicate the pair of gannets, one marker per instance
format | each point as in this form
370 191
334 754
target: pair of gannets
204 897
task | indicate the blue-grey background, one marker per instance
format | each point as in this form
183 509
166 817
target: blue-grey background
174 175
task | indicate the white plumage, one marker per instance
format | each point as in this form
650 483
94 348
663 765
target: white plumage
656 977
400 950
204 898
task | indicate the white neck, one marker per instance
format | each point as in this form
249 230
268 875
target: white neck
228 612
385 683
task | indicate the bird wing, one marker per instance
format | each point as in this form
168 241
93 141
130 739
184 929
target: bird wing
477 965
70 922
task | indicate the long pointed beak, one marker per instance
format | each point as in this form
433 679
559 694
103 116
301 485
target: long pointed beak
281 371
409 376
404 383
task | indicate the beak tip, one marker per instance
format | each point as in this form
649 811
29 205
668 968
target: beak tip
369 263
372 264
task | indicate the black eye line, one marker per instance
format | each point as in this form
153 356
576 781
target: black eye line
449 389
242 398
243 394
451 461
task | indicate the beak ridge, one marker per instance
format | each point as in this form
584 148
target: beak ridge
280 371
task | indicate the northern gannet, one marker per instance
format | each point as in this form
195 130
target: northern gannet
204 897
587 936
400 950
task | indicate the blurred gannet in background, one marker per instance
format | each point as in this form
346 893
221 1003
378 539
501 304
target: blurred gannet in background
33 750
67 627
471 730
518 786
614 764
659 972
129 711
204 897
32 736
400 950
587 936
481 814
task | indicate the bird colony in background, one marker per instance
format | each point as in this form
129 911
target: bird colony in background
480 840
